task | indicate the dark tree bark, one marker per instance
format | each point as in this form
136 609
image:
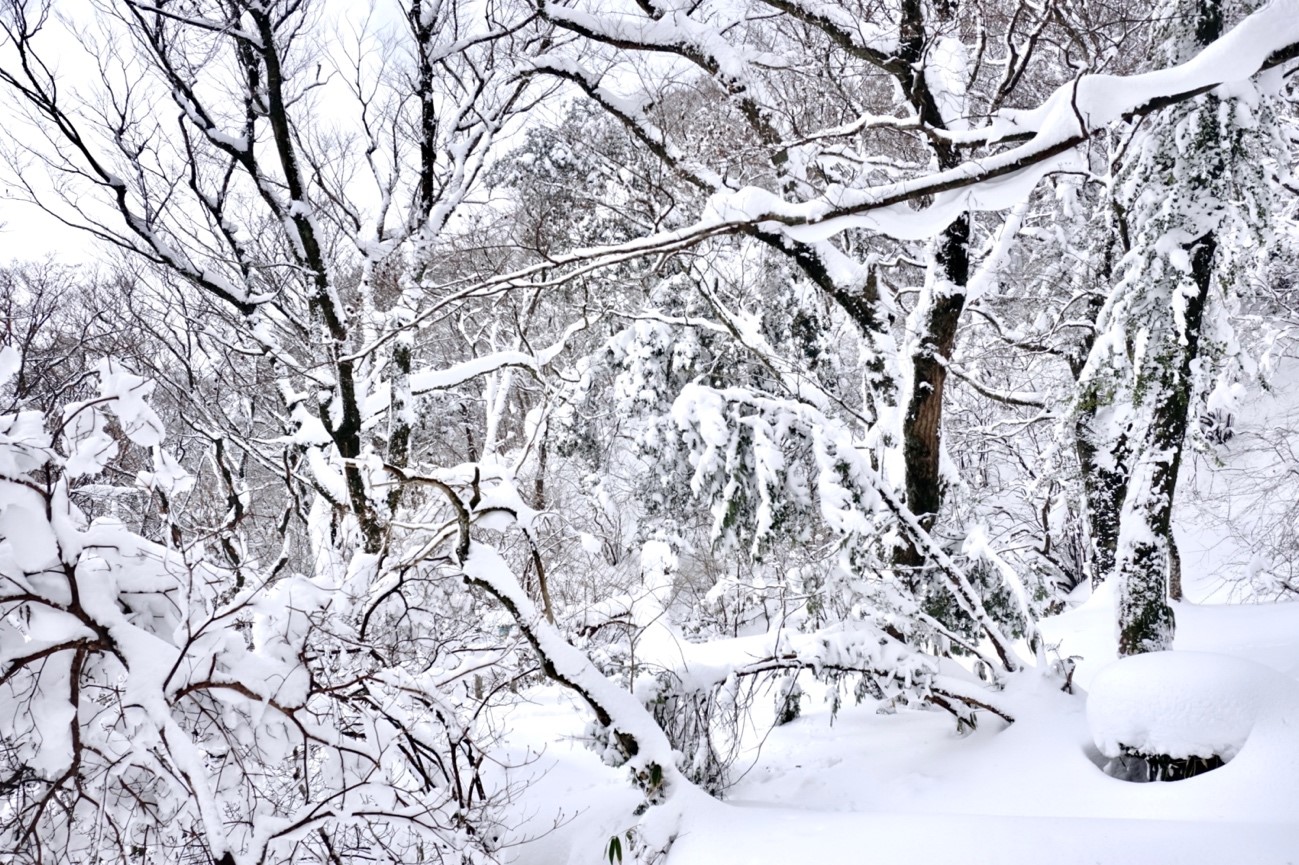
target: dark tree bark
922 426
922 431
1104 465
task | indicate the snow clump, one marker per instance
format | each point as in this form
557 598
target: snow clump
1184 704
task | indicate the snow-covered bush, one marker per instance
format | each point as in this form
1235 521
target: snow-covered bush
1165 716
151 712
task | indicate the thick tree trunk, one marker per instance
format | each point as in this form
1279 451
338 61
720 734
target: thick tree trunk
1145 619
922 435
1148 560
922 426
1104 464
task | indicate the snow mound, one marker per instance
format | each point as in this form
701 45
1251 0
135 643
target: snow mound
1184 704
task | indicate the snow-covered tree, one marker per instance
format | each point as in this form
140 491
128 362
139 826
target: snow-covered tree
153 711
1192 199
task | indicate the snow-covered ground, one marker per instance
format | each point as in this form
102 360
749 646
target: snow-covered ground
905 787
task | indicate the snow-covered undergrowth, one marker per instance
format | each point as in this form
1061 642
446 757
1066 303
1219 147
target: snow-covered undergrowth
867 785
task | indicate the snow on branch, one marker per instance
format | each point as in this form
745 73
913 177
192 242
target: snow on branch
146 702
848 647
642 741
1049 135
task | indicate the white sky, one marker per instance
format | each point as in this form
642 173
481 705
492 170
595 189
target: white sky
27 233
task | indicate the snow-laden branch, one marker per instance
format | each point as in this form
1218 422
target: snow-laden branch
1022 398
674 33
146 703
847 647
650 755
1049 135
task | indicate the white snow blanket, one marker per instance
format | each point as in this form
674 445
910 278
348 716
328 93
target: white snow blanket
1190 704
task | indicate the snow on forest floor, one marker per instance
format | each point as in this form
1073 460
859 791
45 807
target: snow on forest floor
906 788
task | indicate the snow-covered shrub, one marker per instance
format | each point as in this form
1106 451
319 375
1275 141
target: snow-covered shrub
150 712
1165 716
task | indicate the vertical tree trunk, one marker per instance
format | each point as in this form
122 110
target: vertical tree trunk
1146 620
1104 462
1164 384
922 425
403 401
1105 486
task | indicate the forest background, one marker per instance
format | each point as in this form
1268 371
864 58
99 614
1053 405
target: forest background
410 361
